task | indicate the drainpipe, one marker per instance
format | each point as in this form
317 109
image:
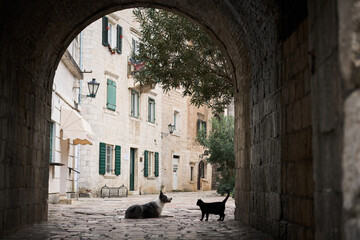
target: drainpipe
78 148
81 63
77 168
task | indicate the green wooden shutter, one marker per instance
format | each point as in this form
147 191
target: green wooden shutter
102 155
117 160
146 163
154 112
156 164
105 24
138 104
132 103
111 95
119 39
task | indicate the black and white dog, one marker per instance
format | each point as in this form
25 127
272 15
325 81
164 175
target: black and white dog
149 210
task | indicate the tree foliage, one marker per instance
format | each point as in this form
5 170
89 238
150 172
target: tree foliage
220 143
177 52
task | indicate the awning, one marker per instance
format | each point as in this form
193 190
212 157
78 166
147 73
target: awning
75 127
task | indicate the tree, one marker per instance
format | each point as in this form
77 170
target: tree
174 51
220 143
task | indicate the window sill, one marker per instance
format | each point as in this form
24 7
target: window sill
111 112
176 134
153 124
134 118
151 178
109 176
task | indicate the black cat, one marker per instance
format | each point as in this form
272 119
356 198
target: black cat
217 208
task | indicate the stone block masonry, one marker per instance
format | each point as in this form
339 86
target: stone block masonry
271 96
297 184
275 184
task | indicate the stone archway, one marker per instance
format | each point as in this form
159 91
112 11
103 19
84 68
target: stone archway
349 39
35 34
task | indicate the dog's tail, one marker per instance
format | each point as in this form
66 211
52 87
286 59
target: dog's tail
224 201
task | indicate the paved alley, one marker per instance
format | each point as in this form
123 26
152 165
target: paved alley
104 219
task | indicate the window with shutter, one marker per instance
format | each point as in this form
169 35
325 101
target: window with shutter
119 39
134 103
177 121
105 26
135 47
151 110
146 163
200 124
102 156
109 159
111 95
156 164
117 160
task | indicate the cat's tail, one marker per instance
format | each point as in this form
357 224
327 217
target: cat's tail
224 201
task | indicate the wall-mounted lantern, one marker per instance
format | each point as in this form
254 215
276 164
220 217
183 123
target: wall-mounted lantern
93 88
171 128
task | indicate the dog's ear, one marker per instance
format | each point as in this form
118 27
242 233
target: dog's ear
161 193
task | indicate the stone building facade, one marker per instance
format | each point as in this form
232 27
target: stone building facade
183 165
132 145
64 150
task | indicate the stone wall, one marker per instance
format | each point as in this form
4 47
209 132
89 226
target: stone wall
297 185
247 31
327 117
274 182
348 51
24 154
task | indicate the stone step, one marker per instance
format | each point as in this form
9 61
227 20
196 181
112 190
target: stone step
65 200
133 193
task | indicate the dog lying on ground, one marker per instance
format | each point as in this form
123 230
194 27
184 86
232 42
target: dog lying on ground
149 210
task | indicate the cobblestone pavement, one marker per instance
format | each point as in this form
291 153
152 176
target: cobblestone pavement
104 219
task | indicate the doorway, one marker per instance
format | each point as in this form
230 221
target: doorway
132 169
201 174
175 162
